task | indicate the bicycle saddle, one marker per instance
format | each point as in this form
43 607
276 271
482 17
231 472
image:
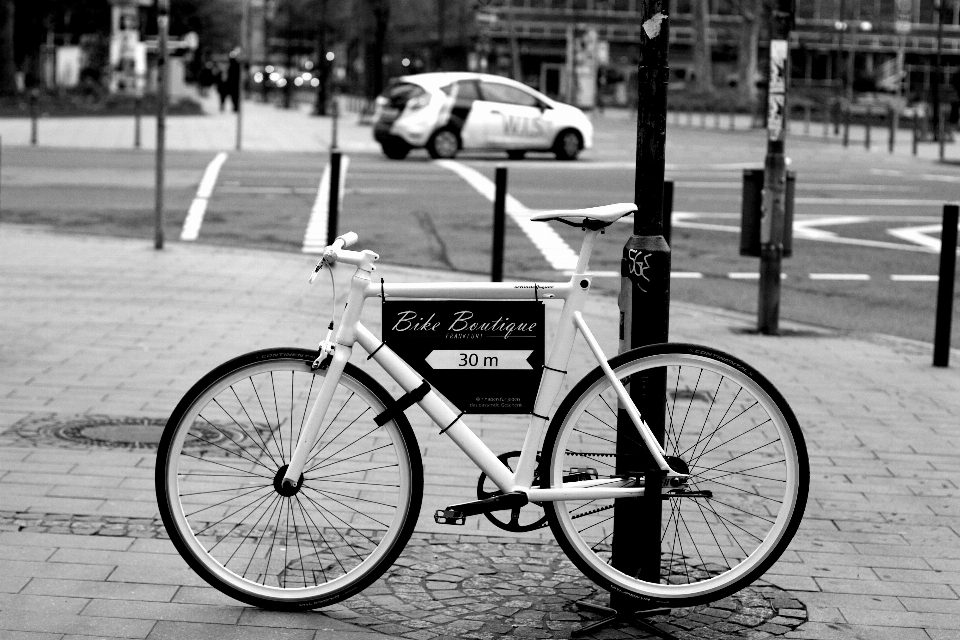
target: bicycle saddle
605 215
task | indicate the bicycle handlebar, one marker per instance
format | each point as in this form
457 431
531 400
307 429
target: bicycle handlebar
334 252
346 240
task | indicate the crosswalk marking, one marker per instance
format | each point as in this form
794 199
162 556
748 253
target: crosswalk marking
907 277
315 237
553 248
194 219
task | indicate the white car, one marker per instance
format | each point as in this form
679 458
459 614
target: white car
446 112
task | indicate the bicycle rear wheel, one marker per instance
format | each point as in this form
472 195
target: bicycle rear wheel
224 452
723 422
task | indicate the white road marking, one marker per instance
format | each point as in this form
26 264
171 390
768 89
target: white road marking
741 275
194 219
918 235
553 248
840 276
914 278
315 238
686 275
806 228
871 202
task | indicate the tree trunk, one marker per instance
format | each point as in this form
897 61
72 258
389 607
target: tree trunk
702 55
8 70
749 43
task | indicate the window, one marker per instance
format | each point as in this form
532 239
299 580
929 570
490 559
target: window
496 92
467 91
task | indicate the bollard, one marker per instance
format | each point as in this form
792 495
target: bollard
703 119
916 133
826 122
866 139
333 204
667 210
33 117
137 103
163 33
689 118
806 119
716 119
941 132
948 266
733 118
893 117
846 128
499 219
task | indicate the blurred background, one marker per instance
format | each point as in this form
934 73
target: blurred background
93 55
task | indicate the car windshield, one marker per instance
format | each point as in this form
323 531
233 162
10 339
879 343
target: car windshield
399 94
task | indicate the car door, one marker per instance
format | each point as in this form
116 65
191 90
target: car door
464 116
515 118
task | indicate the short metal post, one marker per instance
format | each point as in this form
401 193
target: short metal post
689 118
499 223
33 117
333 204
716 119
733 118
846 127
703 119
948 266
163 29
806 119
137 105
335 107
866 139
941 132
916 132
827 117
893 120
667 210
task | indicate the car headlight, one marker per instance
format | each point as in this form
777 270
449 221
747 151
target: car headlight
419 102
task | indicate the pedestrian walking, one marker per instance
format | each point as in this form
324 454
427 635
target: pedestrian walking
233 79
221 80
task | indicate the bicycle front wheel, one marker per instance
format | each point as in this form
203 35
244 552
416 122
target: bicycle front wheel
727 427
224 452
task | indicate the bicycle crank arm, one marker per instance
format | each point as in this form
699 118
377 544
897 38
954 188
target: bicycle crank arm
455 513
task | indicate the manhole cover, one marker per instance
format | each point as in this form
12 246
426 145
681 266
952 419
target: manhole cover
119 432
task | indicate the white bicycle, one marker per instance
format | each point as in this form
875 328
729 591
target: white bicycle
290 479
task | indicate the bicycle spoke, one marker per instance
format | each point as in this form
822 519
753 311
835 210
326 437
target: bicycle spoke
357 511
239 426
273 436
208 460
356 455
253 426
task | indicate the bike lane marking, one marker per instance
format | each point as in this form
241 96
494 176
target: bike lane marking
315 237
553 248
194 219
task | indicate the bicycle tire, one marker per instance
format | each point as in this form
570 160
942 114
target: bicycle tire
227 443
725 541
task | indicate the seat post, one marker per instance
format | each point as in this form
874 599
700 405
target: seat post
589 238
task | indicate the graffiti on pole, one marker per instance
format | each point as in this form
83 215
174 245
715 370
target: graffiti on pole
777 93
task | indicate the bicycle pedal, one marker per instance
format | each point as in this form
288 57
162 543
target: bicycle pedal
449 516
579 474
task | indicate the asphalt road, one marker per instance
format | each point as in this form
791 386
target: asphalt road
418 212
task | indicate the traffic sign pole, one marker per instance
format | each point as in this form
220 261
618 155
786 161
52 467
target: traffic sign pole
773 213
163 24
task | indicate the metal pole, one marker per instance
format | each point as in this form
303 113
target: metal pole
33 117
163 24
948 267
668 210
773 213
846 127
335 107
866 139
644 300
499 217
894 120
333 204
938 71
242 61
916 132
941 132
137 105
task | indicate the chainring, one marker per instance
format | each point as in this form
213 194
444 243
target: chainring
529 517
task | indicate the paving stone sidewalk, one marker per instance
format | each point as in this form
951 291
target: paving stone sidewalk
98 328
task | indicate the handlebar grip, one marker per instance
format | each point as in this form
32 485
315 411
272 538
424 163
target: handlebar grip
348 239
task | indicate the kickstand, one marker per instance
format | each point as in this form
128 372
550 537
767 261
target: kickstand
630 616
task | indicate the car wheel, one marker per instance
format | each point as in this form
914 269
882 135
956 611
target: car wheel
516 155
443 144
568 144
396 150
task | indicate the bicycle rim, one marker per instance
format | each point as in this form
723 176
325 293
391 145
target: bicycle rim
740 442
223 455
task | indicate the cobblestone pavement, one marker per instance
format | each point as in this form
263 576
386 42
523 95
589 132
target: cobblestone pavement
446 587
111 330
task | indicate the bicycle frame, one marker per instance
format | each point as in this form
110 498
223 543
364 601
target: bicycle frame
574 293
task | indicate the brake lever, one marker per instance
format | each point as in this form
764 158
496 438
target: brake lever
329 258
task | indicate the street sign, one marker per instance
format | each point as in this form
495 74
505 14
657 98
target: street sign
484 357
